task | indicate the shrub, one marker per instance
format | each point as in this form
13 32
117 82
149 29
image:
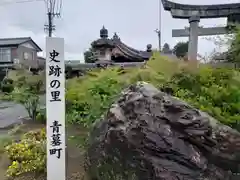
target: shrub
41 115
28 155
215 91
21 82
234 50
88 98
24 79
28 94
7 81
4 141
7 85
30 101
7 88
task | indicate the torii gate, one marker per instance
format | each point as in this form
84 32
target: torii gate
196 12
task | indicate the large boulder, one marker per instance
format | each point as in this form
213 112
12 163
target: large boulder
149 135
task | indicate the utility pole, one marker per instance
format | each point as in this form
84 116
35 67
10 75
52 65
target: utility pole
158 31
159 38
53 10
50 27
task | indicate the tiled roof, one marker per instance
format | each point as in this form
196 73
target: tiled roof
145 55
16 41
13 41
103 42
129 51
126 50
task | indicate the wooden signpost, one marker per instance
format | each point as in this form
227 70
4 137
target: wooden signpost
55 106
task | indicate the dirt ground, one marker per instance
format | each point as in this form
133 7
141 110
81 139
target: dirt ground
75 154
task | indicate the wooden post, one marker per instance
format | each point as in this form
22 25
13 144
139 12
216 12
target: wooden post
55 106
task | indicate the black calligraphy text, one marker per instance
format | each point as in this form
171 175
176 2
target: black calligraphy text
53 55
55 126
56 151
56 139
55 70
55 96
55 84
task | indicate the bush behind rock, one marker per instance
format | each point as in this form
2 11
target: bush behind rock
215 91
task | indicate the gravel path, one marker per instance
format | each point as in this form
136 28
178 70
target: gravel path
12 113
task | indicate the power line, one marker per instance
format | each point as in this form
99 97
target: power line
18 2
54 8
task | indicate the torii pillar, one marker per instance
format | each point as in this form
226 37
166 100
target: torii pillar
193 37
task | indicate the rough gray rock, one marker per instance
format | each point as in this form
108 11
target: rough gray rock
149 135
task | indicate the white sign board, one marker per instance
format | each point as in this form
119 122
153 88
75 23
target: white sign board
55 106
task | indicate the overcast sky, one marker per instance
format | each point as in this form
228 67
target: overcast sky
134 21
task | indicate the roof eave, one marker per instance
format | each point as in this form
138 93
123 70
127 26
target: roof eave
8 45
30 39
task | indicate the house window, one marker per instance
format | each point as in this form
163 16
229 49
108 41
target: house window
28 56
33 57
5 54
25 56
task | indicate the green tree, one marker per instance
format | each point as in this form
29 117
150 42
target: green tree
234 50
89 56
180 49
166 48
28 90
29 97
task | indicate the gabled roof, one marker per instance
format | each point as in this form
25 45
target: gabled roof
103 42
17 42
115 41
145 55
128 51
